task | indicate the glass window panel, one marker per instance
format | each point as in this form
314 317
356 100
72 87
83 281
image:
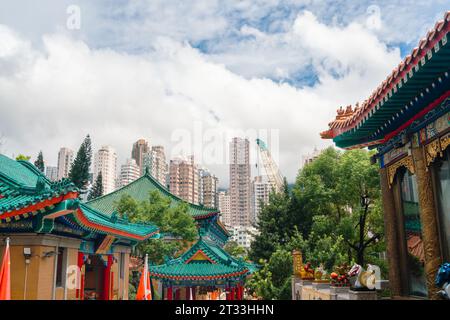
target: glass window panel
413 236
443 191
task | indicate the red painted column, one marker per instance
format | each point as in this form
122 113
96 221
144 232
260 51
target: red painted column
232 293
177 294
193 292
238 292
169 293
188 293
79 293
107 279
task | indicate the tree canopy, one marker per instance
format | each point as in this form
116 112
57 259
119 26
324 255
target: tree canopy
176 225
333 214
39 163
79 171
97 188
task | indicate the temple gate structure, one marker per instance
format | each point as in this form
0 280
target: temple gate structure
407 120
205 270
61 248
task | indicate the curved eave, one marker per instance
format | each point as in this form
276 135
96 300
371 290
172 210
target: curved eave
120 231
427 62
38 206
199 277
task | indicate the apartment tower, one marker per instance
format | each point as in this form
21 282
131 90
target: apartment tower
65 159
105 161
183 179
140 148
129 172
240 185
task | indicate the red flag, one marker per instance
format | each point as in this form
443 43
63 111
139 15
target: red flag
144 292
5 275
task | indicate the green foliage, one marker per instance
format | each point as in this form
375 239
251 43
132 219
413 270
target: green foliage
173 221
273 281
79 171
22 157
39 163
323 217
97 188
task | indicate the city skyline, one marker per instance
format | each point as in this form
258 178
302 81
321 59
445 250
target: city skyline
294 86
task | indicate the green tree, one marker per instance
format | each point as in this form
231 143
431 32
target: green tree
324 216
176 225
39 163
273 281
273 225
79 171
22 157
97 188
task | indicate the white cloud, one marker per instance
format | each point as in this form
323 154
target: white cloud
59 94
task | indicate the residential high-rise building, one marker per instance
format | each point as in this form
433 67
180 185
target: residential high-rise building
105 161
243 236
306 159
201 172
183 179
225 208
65 159
129 172
155 161
51 173
261 192
240 186
140 148
210 184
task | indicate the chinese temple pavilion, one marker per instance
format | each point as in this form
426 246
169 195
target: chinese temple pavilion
60 247
407 120
205 270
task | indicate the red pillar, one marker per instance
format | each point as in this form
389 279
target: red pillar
188 293
107 279
238 292
233 292
193 292
177 294
169 293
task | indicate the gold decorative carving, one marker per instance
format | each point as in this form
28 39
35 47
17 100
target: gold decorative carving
432 151
428 218
406 162
445 142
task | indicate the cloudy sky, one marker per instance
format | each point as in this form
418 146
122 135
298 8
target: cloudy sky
194 72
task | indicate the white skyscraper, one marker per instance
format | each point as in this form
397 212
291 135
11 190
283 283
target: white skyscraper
129 172
105 160
51 173
261 192
225 208
65 159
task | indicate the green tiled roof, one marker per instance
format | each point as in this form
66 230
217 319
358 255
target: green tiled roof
22 185
139 190
222 265
114 222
